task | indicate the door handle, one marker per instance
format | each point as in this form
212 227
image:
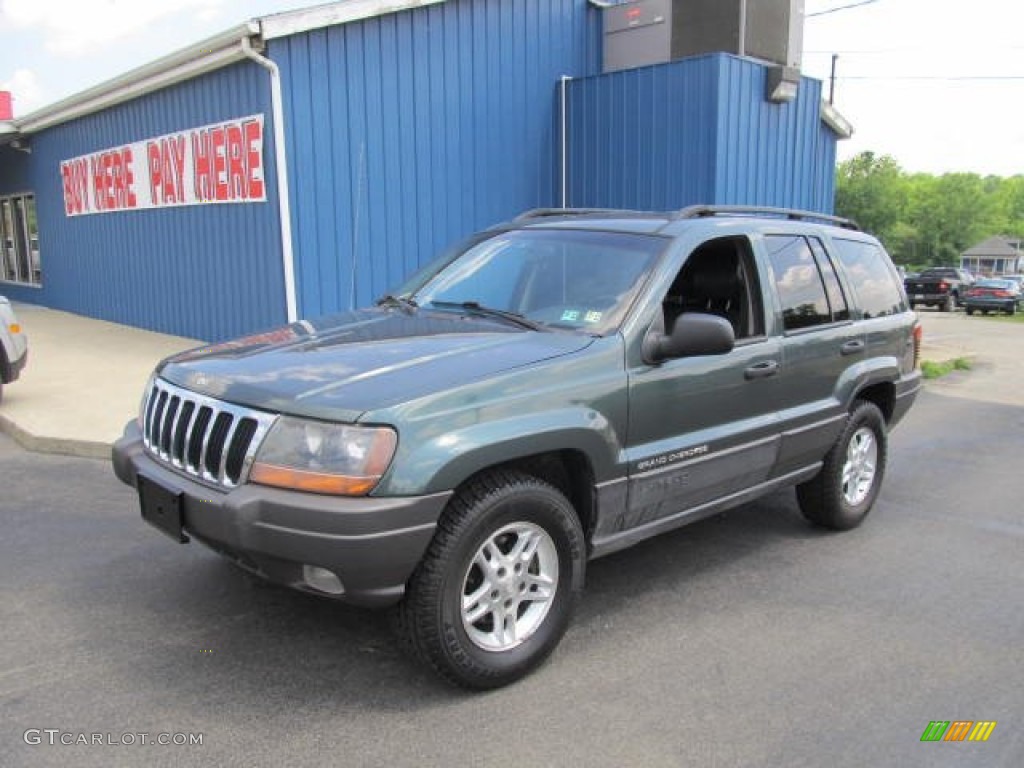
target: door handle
762 370
852 347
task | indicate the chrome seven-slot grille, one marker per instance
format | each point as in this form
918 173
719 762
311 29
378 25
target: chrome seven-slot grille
208 439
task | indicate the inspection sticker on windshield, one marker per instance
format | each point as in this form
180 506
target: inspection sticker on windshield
592 317
570 316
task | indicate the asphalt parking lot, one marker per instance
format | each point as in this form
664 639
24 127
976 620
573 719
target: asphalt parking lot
749 639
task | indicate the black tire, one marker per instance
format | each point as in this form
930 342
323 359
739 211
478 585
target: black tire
828 501
430 618
1011 309
970 310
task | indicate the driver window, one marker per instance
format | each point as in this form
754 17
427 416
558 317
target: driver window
719 278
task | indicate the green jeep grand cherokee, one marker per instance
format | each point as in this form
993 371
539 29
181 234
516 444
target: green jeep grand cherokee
556 389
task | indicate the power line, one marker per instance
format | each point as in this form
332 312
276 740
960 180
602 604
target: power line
839 8
910 49
936 78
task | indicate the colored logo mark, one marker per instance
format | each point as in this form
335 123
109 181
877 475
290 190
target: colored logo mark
958 730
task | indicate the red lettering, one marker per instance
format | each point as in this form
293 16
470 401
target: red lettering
99 195
80 180
65 175
177 147
167 171
236 169
253 158
220 183
155 179
202 162
130 200
110 174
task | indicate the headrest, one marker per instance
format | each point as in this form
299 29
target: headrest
719 282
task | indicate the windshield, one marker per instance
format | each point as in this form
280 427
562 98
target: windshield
559 278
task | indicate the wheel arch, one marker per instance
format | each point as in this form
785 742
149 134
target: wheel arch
569 470
882 394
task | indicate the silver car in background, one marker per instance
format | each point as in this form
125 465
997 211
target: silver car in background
13 345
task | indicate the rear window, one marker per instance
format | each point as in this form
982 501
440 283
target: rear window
990 283
873 277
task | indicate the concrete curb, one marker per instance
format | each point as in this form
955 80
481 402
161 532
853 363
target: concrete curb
86 449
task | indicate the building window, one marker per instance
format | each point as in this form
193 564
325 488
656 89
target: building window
19 240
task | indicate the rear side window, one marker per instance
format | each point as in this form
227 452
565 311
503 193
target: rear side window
872 276
801 279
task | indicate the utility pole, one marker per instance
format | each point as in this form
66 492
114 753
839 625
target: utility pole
832 80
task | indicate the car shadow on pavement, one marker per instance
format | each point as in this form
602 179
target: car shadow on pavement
216 636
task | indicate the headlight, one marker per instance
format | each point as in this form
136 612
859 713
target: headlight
323 458
141 418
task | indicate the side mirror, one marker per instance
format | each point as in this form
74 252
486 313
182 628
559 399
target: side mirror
694 333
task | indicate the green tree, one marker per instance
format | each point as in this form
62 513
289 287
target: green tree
869 190
924 219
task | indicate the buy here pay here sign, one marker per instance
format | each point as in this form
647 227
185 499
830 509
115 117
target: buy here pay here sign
219 163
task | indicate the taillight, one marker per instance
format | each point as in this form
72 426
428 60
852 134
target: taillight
943 286
918 335
1002 294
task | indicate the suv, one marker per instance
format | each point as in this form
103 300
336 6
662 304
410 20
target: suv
13 345
555 389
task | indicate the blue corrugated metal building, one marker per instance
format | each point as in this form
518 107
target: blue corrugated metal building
389 131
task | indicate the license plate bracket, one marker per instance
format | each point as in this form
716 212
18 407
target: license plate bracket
161 508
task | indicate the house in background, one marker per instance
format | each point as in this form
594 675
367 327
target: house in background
997 255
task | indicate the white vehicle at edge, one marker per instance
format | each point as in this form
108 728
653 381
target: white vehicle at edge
13 345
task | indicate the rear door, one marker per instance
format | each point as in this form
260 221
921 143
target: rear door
820 343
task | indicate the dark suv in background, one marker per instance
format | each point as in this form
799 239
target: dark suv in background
558 388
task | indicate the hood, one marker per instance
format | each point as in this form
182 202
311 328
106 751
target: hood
341 366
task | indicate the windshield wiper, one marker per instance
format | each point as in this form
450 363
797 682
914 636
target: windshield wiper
478 309
407 304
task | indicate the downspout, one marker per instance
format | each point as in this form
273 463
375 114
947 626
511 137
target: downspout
565 143
742 47
280 156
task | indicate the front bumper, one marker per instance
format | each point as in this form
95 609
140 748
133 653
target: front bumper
371 544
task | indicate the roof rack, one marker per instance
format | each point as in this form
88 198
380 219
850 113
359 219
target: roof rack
707 211
540 213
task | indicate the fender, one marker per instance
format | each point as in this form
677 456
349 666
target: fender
446 460
876 370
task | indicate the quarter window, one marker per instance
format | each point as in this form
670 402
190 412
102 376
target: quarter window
874 280
19 241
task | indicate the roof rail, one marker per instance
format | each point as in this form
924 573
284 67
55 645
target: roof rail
540 213
707 211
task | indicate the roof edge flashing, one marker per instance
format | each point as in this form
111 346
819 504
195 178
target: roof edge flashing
205 56
331 14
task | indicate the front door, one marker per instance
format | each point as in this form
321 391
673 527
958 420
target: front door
704 428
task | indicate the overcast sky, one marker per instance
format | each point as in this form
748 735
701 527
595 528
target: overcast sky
937 84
